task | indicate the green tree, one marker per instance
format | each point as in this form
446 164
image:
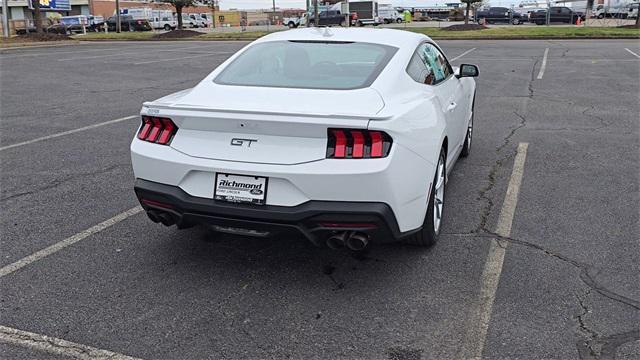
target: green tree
179 5
469 4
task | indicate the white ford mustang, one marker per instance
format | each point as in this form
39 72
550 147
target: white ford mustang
345 136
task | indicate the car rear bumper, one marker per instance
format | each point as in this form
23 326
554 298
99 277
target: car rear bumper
316 220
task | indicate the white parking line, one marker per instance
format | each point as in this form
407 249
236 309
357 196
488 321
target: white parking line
56 346
461 55
632 53
54 53
52 136
174 59
479 323
67 242
137 52
544 63
184 57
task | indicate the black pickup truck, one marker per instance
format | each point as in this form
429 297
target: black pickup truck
328 18
494 15
557 14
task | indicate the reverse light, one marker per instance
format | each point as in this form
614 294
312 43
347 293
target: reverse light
357 144
157 130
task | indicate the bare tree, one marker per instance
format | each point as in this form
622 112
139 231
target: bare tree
37 16
179 5
469 3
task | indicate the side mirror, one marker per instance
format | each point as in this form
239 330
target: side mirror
468 70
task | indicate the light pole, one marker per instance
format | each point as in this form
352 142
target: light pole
5 18
118 26
317 14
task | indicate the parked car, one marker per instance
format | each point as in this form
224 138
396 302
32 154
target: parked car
497 15
96 22
48 26
389 15
193 20
291 22
75 24
633 11
128 23
206 17
557 14
308 134
328 18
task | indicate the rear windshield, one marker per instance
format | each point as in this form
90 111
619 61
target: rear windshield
308 65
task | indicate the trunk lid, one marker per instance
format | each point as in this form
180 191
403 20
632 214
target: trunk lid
263 125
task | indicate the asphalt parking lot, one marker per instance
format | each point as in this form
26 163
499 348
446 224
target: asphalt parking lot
550 271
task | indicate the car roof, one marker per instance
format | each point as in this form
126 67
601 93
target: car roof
391 37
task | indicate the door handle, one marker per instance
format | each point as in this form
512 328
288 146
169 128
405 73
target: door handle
452 106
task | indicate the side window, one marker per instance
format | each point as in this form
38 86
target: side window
437 62
418 69
428 65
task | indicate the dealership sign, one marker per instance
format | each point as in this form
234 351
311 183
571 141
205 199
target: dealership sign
55 5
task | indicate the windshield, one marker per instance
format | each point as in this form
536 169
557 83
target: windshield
309 65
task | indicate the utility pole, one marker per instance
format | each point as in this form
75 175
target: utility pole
5 18
274 5
317 15
348 13
118 26
307 13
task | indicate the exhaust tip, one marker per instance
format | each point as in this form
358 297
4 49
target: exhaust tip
153 216
335 242
357 241
166 219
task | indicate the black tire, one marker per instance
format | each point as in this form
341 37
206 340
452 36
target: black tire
466 148
515 21
343 23
167 27
291 25
399 21
428 235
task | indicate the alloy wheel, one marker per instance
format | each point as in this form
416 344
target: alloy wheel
438 198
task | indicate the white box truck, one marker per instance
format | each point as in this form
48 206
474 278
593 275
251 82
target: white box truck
612 9
158 19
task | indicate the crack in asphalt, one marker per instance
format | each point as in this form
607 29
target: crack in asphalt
57 182
590 334
585 112
486 211
588 347
585 270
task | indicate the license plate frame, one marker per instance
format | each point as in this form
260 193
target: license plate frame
255 191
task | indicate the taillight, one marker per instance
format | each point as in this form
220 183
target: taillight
157 130
357 144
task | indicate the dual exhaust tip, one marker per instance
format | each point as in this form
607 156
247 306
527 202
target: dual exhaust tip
353 240
161 217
